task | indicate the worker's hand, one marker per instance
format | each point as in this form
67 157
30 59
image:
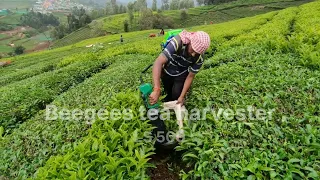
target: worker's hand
180 100
154 96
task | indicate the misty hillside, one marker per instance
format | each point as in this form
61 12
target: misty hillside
103 2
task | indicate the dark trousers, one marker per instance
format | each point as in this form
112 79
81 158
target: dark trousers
172 86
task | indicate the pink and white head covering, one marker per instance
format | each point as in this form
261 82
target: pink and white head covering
200 40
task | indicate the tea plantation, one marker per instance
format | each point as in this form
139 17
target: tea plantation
269 61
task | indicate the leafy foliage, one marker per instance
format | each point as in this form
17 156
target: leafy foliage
148 20
38 20
183 15
259 62
44 88
196 16
305 37
284 146
126 26
19 50
109 151
75 20
57 137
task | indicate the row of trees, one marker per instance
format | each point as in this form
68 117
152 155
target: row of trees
138 14
137 10
138 5
76 19
113 8
181 4
210 2
38 20
148 20
173 4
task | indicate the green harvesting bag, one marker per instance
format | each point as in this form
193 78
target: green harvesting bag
168 36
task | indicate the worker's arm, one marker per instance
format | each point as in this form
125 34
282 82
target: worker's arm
156 70
156 74
193 70
186 87
163 58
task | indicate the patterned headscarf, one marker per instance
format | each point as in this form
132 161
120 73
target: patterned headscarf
200 41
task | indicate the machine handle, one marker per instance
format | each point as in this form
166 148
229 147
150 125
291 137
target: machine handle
145 70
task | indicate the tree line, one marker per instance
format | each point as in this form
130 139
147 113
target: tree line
211 2
38 20
138 13
75 20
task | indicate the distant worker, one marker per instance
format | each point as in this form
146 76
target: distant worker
178 64
161 32
121 39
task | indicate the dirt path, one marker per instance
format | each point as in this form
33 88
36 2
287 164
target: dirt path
168 165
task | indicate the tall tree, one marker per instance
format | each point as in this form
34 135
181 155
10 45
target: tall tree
174 4
73 23
130 6
165 5
109 10
96 13
38 20
154 5
77 19
59 32
126 26
120 9
115 7
200 2
84 20
183 15
142 4
182 4
190 3
136 6
130 11
124 9
146 19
